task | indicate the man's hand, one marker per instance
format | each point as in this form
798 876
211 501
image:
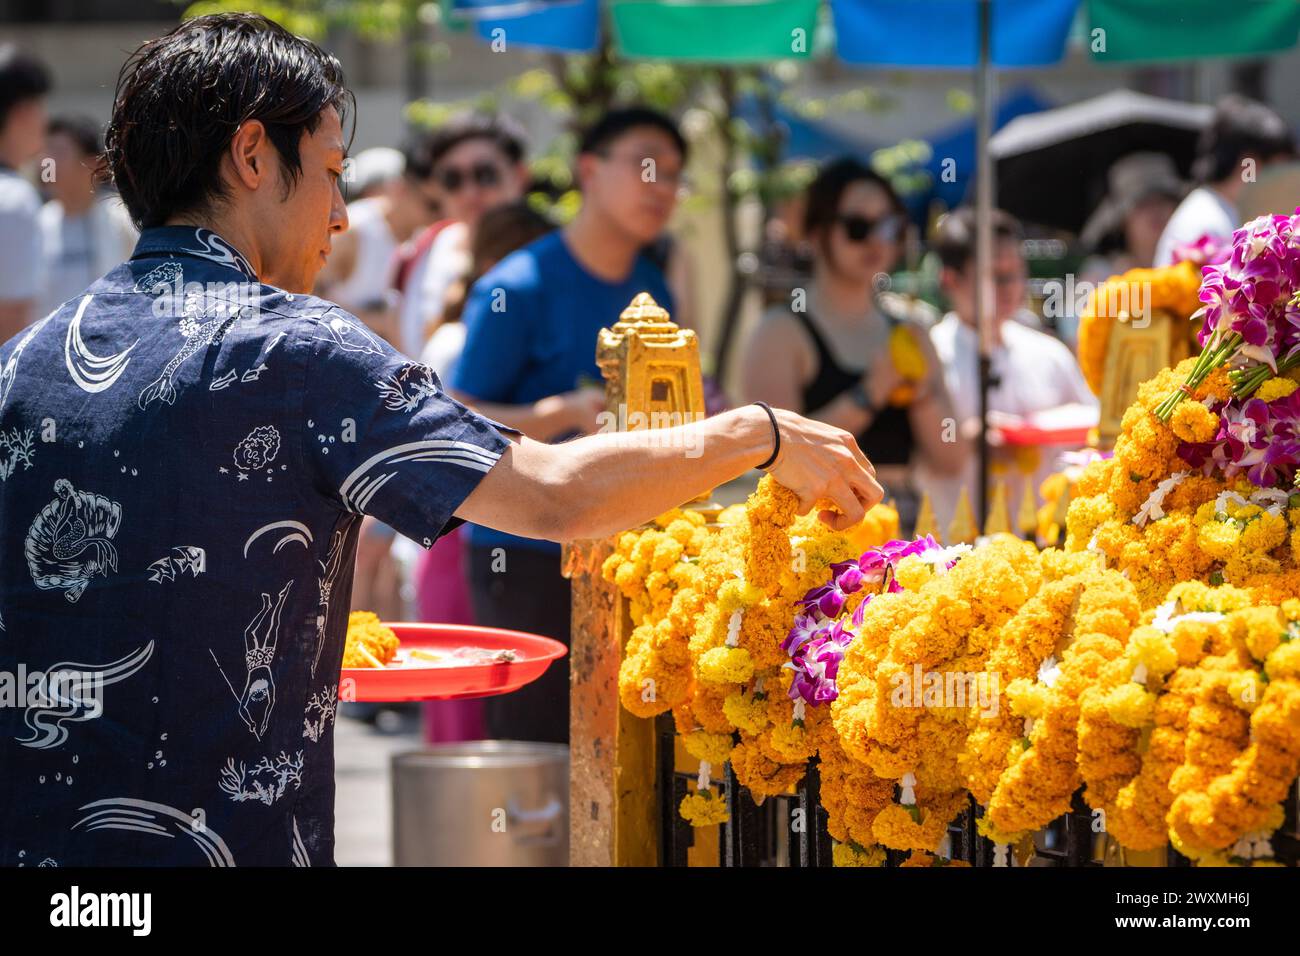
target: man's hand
606 483
819 463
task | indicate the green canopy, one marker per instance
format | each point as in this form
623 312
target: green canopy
730 32
1163 30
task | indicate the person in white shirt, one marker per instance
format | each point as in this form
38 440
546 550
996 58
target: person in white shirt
85 230
24 83
1032 371
1242 139
359 272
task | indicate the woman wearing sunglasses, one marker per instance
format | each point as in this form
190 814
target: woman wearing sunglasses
834 353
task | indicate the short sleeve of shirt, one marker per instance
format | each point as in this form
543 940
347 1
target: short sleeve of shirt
20 241
383 438
499 316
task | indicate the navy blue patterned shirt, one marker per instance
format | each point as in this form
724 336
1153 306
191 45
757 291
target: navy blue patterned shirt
185 457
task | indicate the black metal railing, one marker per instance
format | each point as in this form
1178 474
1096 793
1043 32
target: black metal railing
765 833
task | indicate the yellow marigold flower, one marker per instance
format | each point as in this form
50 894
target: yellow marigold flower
681 531
726 665
747 712
704 809
1261 628
666 553
1274 389
984 826
735 595
912 572
1193 422
713 748
850 854
1284 661
1245 690
1130 704
1265 533
1028 698
1153 648
790 741
1219 539
762 775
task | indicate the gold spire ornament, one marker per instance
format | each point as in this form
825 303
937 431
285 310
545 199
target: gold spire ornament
1027 516
963 529
999 520
925 520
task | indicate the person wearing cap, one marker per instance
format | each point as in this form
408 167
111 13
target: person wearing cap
1122 232
1242 139
1126 226
372 170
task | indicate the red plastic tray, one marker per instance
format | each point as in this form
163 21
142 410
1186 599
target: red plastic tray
376 684
1033 435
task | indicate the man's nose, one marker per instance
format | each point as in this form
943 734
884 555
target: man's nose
339 213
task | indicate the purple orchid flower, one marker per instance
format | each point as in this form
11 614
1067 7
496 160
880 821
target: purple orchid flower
806 627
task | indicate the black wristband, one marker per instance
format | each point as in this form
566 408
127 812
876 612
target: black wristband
776 435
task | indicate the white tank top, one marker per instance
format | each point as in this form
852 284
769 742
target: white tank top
368 283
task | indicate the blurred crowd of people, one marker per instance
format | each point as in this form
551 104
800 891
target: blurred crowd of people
446 257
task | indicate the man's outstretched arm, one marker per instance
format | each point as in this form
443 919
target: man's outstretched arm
606 483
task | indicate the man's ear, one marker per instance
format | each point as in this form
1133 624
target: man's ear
249 154
584 167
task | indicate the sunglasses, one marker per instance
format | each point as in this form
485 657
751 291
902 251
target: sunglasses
860 228
485 176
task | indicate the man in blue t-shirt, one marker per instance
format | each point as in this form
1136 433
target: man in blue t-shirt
530 362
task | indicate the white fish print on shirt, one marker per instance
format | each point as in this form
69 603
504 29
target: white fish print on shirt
69 542
198 335
346 335
185 558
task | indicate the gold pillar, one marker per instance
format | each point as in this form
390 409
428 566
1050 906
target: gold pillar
1135 353
652 380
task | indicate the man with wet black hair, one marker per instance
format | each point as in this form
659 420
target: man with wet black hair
189 447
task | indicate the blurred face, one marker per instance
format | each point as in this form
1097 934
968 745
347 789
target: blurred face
1010 281
865 237
295 232
74 171
1144 224
415 204
473 177
24 128
634 182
